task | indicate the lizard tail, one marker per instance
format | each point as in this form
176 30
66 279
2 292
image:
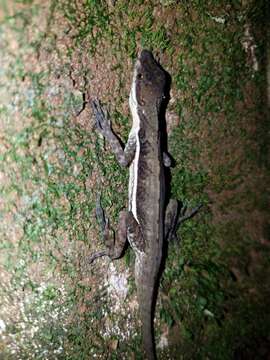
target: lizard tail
146 309
148 339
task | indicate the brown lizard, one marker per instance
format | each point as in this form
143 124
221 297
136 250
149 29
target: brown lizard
151 217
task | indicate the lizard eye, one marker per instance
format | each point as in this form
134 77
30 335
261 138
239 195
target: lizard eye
140 76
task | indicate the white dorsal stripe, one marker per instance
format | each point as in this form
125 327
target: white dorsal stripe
133 170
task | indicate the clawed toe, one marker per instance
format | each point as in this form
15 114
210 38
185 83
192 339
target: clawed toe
101 116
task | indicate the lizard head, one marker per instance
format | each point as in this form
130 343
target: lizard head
149 81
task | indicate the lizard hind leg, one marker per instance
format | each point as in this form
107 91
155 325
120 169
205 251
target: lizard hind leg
171 219
176 214
114 243
121 236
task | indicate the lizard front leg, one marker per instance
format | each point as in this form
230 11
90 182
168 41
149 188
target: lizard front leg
103 124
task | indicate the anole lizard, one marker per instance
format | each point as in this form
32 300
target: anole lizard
150 218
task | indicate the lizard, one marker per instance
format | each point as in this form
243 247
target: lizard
151 218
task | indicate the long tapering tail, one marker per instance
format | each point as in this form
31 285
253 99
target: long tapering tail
146 298
148 336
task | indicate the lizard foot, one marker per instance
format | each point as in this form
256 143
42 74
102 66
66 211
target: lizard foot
104 228
185 216
114 245
97 255
103 123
